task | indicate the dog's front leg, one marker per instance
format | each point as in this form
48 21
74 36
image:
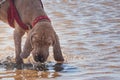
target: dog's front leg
18 33
27 47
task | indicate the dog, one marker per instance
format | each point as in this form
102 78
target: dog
41 34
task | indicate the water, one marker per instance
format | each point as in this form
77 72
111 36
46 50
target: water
89 32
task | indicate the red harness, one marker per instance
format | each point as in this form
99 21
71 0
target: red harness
13 15
39 18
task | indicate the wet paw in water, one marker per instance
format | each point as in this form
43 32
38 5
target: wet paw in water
56 67
7 65
46 70
40 66
51 67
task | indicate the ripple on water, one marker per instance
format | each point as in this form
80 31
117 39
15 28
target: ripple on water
89 36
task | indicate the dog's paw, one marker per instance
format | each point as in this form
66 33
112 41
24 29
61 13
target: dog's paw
19 60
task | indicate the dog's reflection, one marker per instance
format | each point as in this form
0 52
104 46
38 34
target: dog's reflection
43 67
28 72
58 67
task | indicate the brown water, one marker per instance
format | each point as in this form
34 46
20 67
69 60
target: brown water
89 32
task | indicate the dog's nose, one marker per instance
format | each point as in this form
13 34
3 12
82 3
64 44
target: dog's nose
39 58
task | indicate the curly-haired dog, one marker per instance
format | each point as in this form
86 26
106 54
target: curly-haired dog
40 31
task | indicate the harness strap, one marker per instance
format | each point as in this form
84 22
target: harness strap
38 19
13 15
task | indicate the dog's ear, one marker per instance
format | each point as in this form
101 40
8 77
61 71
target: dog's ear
57 50
27 47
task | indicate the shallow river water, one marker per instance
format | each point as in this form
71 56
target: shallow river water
89 32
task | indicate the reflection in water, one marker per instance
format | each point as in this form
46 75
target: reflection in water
89 32
24 71
58 67
29 72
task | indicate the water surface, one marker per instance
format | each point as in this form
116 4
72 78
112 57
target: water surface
89 32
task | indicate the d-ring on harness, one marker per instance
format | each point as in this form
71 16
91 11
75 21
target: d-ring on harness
39 18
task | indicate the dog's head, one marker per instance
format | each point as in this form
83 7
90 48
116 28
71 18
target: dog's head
40 38
40 44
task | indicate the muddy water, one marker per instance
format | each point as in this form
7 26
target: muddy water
89 32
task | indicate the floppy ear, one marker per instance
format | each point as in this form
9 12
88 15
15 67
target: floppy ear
27 47
57 50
